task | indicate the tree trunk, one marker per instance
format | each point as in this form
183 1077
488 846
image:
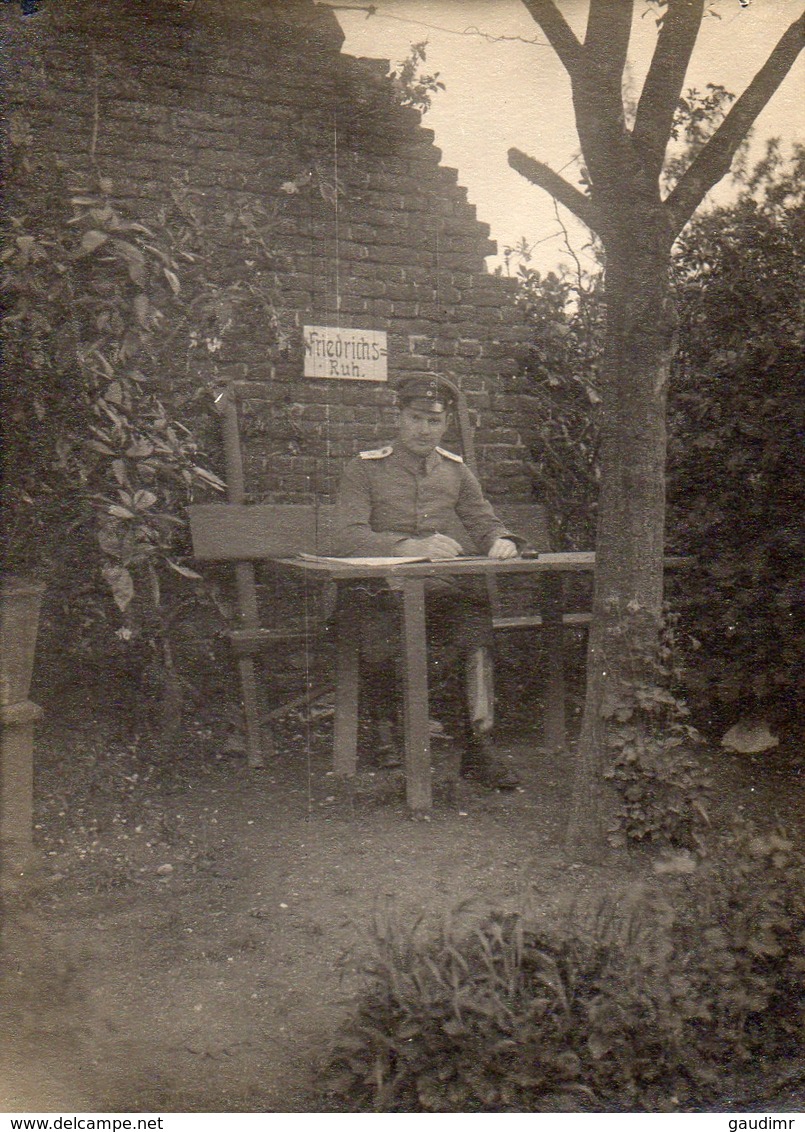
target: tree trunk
627 604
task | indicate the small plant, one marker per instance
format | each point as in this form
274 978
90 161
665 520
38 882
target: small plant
465 1022
414 87
662 787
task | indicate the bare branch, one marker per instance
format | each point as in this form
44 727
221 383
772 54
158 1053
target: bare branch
558 32
544 178
664 82
714 160
571 251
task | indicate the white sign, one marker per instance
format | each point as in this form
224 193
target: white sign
351 355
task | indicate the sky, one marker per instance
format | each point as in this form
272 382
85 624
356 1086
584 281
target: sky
505 87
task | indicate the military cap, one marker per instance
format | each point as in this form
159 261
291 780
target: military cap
431 393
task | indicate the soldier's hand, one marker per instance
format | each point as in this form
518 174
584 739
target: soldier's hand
503 548
434 546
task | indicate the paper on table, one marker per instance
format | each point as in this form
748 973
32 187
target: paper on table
361 561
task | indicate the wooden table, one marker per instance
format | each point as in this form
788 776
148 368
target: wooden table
408 580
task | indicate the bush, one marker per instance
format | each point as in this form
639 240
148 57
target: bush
735 492
663 790
561 375
645 1009
735 413
112 325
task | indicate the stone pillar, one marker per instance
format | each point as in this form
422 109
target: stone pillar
17 794
19 618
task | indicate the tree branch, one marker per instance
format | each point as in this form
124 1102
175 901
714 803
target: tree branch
544 178
596 75
663 86
606 43
558 32
714 159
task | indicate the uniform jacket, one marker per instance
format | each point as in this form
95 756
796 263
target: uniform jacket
389 494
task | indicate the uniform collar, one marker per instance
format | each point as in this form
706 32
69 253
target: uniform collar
416 463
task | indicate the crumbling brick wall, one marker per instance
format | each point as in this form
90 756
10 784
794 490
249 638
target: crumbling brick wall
241 99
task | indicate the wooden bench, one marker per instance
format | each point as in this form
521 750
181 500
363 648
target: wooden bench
245 534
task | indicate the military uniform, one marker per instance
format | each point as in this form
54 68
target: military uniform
390 494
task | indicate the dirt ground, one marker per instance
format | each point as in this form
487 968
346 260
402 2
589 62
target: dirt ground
197 928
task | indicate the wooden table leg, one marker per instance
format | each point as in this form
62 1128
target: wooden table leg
554 736
345 742
415 691
257 742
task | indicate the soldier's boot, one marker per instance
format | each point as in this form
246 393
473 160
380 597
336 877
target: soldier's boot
380 686
479 763
478 760
388 747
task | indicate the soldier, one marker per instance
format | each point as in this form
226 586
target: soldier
413 498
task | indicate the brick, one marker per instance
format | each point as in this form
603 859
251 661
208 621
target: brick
241 114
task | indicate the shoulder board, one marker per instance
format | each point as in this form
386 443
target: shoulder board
450 455
376 453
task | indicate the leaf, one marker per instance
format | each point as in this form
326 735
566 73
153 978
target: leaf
121 584
103 215
96 446
92 240
143 500
138 275
140 448
185 571
173 279
130 252
141 308
120 512
108 368
114 393
209 477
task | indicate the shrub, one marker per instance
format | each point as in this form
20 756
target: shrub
663 790
745 928
647 1009
111 330
734 420
735 413
561 375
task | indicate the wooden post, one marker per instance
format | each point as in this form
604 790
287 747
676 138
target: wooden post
415 691
345 742
554 734
256 742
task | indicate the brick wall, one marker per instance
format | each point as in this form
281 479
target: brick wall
241 99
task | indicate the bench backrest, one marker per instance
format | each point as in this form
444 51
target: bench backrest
247 532
530 520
